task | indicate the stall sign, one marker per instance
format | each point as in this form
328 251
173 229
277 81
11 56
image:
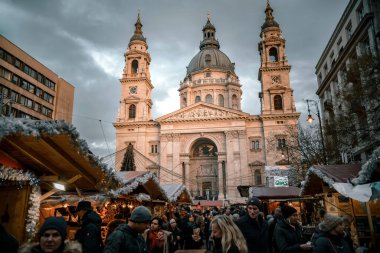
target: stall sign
281 181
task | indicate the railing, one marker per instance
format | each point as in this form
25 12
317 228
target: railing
209 81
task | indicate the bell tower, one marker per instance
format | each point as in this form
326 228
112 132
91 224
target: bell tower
136 86
276 95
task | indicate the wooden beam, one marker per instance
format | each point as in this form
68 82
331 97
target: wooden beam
51 192
78 191
32 155
59 150
49 178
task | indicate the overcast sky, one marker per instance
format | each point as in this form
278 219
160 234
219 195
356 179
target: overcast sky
84 41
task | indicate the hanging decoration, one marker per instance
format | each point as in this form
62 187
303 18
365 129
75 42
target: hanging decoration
22 177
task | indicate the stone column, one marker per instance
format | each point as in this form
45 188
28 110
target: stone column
244 171
229 163
176 152
220 180
187 175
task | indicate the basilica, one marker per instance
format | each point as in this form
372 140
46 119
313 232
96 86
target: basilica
209 144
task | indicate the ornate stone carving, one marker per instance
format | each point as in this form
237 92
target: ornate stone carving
204 113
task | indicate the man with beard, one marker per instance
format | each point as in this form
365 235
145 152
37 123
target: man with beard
254 227
127 238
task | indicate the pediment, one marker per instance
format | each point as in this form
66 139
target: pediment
203 111
256 163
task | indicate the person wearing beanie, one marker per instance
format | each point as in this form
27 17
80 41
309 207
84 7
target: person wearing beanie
52 235
331 237
254 227
127 238
287 235
89 235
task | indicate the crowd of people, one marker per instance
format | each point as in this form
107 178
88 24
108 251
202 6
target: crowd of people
242 230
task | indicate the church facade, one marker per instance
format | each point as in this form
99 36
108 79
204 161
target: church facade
209 144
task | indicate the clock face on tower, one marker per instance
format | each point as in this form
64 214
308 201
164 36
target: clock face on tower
275 79
133 90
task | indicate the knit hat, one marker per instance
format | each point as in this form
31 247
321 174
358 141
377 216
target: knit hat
255 202
57 223
84 205
330 222
141 214
287 211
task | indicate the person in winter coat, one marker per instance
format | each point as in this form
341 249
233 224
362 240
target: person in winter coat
52 235
89 235
184 226
271 225
176 234
227 236
331 237
127 238
157 240
8 243
254 227
287 234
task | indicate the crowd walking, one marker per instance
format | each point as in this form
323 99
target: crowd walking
229 230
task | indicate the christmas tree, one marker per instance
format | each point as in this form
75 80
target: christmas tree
128 163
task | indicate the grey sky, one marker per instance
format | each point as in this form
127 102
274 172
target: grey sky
83 41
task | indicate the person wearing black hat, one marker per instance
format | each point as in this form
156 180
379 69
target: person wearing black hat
287 234
254 227
52 235
331 238
185 227
89 235
127 238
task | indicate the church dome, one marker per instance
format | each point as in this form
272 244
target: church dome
210 58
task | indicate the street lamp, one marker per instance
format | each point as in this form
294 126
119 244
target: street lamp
310 120
287 153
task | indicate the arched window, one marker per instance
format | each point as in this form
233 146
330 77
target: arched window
234 102
258 177
132 111
273 54
197 99
135 66
277 102
209 99
220 100
184 101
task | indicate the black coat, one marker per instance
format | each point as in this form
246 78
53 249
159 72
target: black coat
8 243
327 243
218 247
125 240
89 235
287 238
255 233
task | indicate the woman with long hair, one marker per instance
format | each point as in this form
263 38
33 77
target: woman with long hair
227 236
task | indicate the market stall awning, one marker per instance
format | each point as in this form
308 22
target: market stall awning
274 192
319 175
209 203
53 151
177 193
135 182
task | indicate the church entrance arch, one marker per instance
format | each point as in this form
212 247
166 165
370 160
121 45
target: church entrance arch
204 169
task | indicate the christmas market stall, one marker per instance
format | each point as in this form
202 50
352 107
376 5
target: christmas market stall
177 194
140 188
41 162
343 193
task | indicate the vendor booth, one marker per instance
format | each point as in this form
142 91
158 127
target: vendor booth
335 184
43 160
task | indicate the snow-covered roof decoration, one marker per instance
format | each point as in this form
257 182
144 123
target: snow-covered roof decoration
40 128
131 180
368 168
33 214
173 191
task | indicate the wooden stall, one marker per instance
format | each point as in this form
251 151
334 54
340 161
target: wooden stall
35 155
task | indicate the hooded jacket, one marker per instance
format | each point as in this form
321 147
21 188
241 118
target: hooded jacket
125 240
89 235
287 238
69 247
255 233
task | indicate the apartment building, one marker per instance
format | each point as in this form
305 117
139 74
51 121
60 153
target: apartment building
31 90
356 35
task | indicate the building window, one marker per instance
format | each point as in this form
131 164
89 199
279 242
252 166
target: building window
258 180
273 54
5 73
154 149
208 74
234 102
220 100
360 12
184 101
135 67
349 30
132 111
277 102
255 144
39 92
281 143
197 99
209 99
